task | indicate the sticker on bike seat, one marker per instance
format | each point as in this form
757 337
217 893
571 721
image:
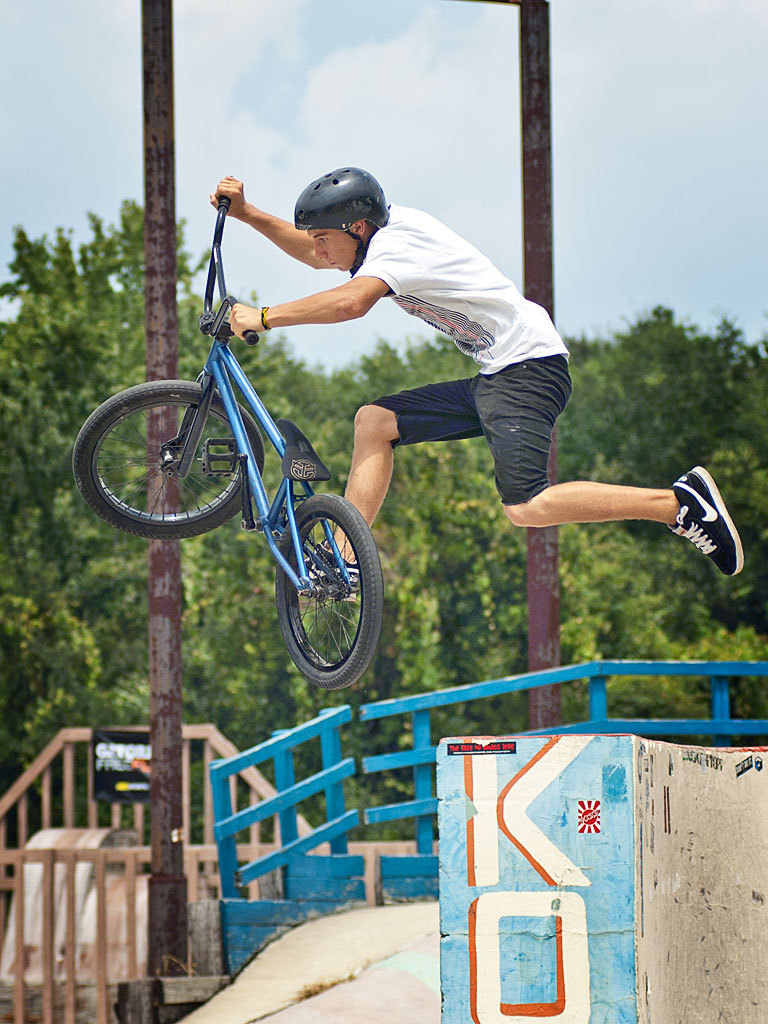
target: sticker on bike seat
303 469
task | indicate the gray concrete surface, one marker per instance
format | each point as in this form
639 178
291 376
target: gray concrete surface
372 965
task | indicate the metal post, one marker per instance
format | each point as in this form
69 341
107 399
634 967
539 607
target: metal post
543 582
721 707
167 885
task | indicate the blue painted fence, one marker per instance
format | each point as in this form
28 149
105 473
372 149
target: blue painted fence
312 885
280 749
337 879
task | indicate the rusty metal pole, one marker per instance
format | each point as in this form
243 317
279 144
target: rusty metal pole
167 936
543 580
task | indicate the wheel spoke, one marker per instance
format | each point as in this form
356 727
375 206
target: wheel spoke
331 631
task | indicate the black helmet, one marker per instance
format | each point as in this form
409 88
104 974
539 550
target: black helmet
339 199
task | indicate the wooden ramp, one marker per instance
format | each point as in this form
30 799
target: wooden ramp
395 948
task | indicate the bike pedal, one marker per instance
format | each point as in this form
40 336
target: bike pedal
221 462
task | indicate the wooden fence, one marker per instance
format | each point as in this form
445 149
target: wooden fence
74 872
77 925
58 788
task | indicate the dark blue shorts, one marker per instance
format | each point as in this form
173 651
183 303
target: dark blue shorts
515 409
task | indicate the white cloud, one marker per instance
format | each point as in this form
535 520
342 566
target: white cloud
659 155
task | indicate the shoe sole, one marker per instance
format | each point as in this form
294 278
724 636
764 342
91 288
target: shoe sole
723 512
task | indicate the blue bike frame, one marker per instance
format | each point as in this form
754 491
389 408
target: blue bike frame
223 368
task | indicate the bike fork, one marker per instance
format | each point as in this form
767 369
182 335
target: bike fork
193 424
249 523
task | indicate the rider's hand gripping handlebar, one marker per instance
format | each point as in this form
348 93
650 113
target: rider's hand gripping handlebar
217 324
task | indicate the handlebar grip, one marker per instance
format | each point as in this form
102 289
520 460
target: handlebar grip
251 338
224 203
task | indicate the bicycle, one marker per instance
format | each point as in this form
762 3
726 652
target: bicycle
172 459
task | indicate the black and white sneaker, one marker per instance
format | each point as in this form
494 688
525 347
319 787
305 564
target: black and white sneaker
703 519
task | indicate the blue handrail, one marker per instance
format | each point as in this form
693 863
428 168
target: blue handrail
320 884
421 758
228 821
720 725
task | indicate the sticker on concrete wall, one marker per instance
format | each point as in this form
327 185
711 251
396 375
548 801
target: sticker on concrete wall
491 747
703 758
589 816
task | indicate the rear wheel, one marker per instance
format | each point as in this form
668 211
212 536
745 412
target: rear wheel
332 632
126 456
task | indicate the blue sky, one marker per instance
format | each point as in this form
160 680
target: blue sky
659 148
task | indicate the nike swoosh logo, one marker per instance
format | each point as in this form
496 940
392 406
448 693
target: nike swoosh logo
710 514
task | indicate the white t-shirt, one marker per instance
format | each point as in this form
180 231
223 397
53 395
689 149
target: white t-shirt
437 276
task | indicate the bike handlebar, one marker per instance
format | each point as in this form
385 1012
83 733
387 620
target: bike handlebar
216 274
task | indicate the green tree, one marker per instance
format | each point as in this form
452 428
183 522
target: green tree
648 403
72 593
651 403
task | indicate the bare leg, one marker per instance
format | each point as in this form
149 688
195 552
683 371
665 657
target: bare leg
582 501
372 459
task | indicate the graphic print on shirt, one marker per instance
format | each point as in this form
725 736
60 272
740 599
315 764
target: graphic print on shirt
469 337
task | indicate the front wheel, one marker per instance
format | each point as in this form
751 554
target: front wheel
126 457
331 632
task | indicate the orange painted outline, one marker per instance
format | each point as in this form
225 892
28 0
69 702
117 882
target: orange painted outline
500 812
473 961
470 792
517 1009
544 1009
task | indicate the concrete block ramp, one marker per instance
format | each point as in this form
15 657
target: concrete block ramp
602 880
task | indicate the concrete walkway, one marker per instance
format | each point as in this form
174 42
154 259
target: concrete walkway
367 966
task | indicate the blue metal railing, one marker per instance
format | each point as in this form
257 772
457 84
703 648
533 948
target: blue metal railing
720 726
421 757
316 885
280 748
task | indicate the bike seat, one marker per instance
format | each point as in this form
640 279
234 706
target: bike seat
301 461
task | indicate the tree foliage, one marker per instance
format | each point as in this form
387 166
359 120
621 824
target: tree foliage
648 403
